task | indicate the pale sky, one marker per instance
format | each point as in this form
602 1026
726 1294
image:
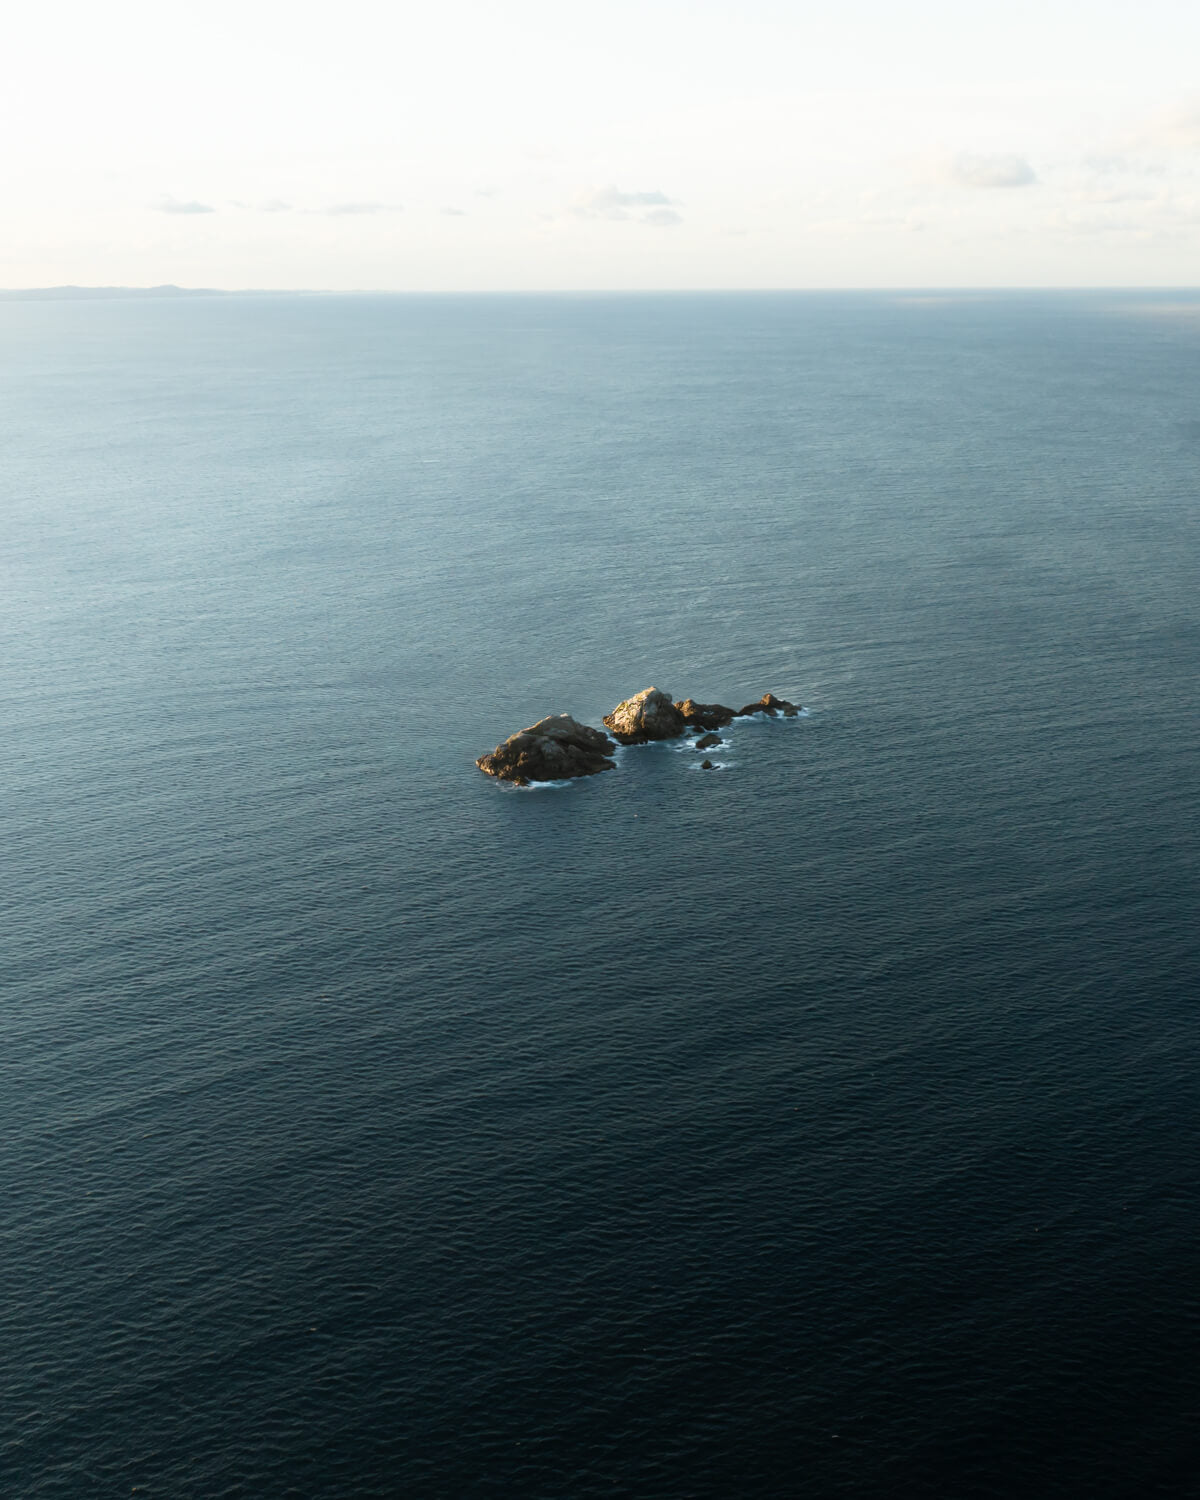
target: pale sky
538 145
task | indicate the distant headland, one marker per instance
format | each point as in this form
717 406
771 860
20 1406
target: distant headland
167 292
104 293
560 748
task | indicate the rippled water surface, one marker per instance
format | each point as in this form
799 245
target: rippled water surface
822 1125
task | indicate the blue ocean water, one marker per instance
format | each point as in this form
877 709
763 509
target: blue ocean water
822 1125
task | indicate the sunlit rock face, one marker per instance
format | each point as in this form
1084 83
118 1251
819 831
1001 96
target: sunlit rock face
771 705
705 715
557 748
648 715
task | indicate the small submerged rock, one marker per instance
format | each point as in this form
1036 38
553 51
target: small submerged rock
557 748
771 705
707 765
648 715
707 741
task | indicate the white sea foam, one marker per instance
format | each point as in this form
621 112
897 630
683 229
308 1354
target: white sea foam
510 787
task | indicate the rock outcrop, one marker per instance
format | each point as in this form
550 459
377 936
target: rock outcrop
648 715
770 704
705 715
555 749
560 748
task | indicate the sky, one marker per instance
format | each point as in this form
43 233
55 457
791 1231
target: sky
664 144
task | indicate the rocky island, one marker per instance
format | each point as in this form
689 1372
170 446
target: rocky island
559 748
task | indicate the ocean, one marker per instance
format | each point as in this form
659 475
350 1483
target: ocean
824 1124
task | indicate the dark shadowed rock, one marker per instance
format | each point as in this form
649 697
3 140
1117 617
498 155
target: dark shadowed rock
771 705
648 715
707 765
555 749
705 715
707 741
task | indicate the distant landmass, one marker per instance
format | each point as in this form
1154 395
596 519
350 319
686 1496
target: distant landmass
71 293
93 293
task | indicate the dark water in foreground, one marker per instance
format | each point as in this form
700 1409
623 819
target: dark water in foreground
824 1125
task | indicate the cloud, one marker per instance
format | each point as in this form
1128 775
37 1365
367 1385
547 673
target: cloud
611 203
1109 164
1162 217
174 206
989 172
1104 194
364 208
270 206
455 213
851 227
1132 196
1175 129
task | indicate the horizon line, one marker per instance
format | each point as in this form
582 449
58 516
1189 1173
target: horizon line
169 289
